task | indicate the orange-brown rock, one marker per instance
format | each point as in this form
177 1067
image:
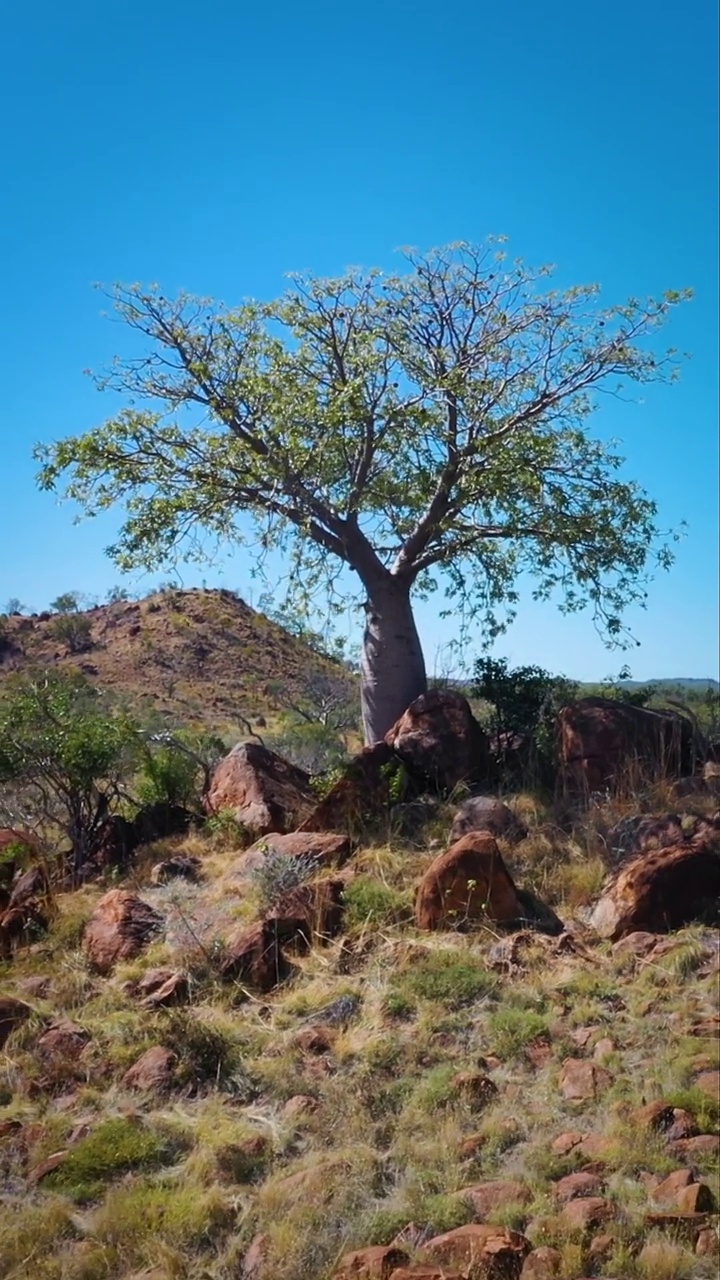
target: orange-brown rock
500 1252
578 1184
543 1263
661 890
440 741
120 927
359 795
487 1197
308 913
604 744
587 1212
262 790
486 813
581 1079
12 1014
253 955
63 1038
322 848
374 1263
466 884
476 1087
419 1271
153 1070
162 987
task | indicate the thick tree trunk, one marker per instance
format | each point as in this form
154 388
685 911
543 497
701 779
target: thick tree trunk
393 667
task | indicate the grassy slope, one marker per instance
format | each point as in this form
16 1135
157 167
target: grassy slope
181 1183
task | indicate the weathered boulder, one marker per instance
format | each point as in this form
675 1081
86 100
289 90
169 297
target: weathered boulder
467 884
500 1252
310 912
263 791
641 833
486 813
604 744
359 795
440 742
489 1197
120 927
374 1263
179 867
155 1070
12 1014
253 956
318 848
661 890
581 1079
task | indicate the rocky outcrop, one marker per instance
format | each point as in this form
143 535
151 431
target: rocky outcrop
121 926
486 813
661 890
604 744
440 742
358 796
467 884
263 791
497 1252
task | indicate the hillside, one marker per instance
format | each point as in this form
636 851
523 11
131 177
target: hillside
191 656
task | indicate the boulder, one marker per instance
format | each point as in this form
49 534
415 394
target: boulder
120 927
604 744
488 1197
253 956
544 1263
12 1014
264 792
361 794
318 848
162 987
307 913
586 1213
639 834
179 867
467 884
440 742
485 813
62 1039
661 890
154 1070
581 1079
478 1245
375 1263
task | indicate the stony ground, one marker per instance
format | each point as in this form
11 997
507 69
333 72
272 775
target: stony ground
397 1086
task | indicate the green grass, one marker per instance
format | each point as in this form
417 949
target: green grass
448 977
117 1146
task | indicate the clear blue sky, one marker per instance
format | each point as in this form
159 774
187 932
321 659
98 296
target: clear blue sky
215 147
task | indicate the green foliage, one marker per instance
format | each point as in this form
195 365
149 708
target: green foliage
312 746
63 754
524 702
68 602
73 630
511 1029
304 407
208 1055
114 1147
444 976
370 902
226 832
175 767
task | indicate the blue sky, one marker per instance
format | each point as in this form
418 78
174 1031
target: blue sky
217 147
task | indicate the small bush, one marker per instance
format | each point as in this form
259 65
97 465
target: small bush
115 1147
207 1055
510 1030
279 874
369 901
450 978
73 630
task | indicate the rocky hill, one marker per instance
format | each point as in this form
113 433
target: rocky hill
192 656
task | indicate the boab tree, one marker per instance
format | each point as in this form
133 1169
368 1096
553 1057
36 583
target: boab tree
422 427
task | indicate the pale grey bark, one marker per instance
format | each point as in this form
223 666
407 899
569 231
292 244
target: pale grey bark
393 667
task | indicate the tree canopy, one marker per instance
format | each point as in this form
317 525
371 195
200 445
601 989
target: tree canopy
424 427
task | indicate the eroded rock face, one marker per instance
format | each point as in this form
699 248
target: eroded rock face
467 884
359 795
603 743
478 1245
121 926
440 741
264 792
486 813
661 890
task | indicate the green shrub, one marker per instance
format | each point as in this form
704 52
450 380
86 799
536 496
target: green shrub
115 1147
369 901
510 1030
448 977
73 630
207 1055
279 874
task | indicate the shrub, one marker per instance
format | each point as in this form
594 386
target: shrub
279 874
207 1055
73 630
510 1030
115 1147
369 901
448 977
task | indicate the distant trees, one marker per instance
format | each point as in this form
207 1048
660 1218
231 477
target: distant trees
427 429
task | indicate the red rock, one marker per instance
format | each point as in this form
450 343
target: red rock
707 1028
63 1038
12 1014
487 1197
538 1053
576 1185
179 867
581 1079
543 1263
300 1104
603 1049
264 792
486 813
153 1070
321 848
567 1142
501 1252
360 794
49 1165
172 989
587 1212
253 955
709 1082
315 1039
661 890
638 944
707 1243
120 927
695 1198
604 744
374 1263
253 1264
477 1088
440 741
468 883
419 1271
701 1146
685 1224
307 914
